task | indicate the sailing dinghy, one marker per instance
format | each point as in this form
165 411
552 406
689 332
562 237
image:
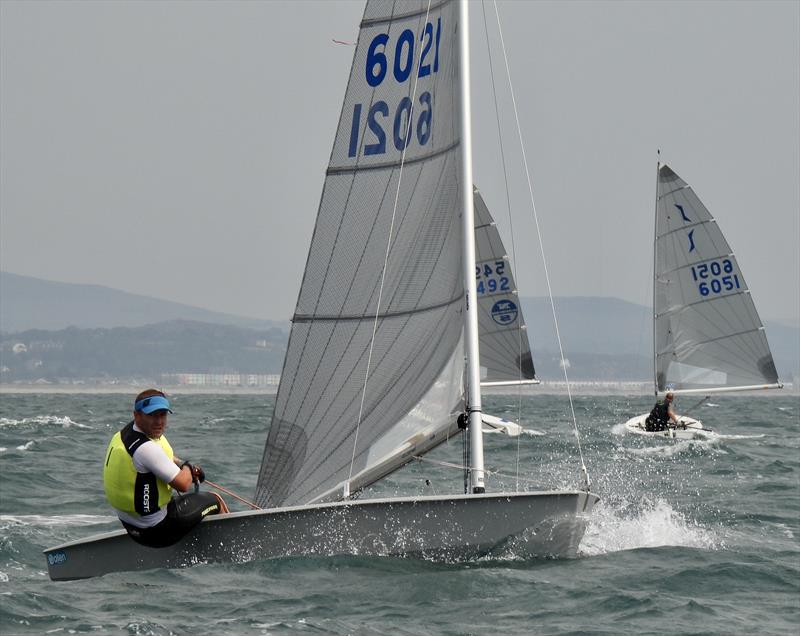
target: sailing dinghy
383 357
707 336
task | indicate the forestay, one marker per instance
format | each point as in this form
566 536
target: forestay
388 196
707 331
505 350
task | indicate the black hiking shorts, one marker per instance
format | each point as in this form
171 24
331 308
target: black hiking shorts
183 513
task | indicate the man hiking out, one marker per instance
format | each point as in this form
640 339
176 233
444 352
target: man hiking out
141 471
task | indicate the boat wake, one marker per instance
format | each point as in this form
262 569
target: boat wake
729 437
654 526
619 429
678 447
532 432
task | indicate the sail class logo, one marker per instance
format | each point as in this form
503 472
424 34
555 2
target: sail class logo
683 214
504 312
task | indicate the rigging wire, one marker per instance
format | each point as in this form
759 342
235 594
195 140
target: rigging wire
467 468
386 260
541 248
511 227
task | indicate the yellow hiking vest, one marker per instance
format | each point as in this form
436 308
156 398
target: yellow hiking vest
126 489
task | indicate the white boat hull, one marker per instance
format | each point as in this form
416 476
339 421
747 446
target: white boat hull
539 524
687 428
493 424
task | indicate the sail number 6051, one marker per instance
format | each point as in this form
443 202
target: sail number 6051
715 277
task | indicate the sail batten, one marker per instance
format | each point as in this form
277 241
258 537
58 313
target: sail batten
708 334
380 315
333 170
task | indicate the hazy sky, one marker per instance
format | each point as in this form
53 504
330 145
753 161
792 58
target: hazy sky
178 149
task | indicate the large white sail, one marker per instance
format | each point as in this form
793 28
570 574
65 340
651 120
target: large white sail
707 331
505 350
388 196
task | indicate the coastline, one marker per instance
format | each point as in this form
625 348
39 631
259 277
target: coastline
577 388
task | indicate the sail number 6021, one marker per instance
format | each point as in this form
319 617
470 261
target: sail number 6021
401 125
377 63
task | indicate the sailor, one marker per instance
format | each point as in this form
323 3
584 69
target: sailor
660 416
140 472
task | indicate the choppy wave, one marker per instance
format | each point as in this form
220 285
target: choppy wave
46 521
655 525
63 421
715 517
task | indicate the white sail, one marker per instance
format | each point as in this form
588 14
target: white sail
388 196
708 335
505 349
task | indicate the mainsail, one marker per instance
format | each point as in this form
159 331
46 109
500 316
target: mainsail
505 350
707 331
387 245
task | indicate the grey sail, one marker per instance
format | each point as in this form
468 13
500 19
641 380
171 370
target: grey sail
388 195
707 331
505 350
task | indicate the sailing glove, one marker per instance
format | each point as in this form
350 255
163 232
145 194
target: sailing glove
197 473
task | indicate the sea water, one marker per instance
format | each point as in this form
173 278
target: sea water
690 537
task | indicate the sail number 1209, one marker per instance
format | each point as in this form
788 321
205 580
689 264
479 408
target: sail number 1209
715 277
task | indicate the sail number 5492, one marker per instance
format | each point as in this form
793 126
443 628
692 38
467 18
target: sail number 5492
490 278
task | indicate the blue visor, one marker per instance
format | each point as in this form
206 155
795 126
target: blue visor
151 404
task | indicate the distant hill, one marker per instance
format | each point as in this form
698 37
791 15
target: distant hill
125 353
612 339
90 330
32 303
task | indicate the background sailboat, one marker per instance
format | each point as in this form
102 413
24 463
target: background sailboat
505 350
375 372
707 337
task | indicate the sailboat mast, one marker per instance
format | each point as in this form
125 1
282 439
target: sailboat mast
655 275
474 406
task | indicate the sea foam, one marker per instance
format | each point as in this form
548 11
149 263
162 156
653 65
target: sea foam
652 526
